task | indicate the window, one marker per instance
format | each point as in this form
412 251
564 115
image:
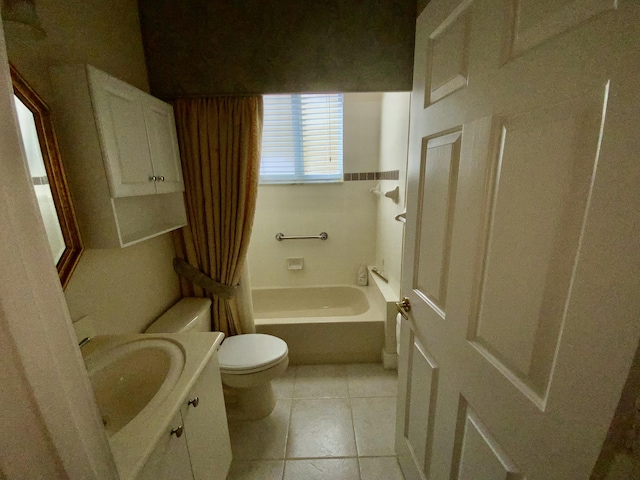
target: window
302 138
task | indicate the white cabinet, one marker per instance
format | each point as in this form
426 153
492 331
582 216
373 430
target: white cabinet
205 426
163 144
203 444
170 458
138 137
120 151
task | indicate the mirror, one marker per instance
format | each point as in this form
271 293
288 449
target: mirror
49 182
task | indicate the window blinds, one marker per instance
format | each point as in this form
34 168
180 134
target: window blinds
302 138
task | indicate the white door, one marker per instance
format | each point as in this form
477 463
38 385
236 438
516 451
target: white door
121 124
205 423
522 250
163 145
170 457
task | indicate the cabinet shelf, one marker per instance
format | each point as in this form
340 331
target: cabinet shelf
145 217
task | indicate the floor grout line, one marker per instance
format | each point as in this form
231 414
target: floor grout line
353 427
292 397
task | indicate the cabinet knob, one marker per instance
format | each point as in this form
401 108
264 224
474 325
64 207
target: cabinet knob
195 401
178 431
161 177
153 178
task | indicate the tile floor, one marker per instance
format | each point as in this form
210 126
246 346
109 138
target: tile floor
331 422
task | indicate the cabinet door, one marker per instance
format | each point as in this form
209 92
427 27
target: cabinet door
170 459
120 120
163 145
206 427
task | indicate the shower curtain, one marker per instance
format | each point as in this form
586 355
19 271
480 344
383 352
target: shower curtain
220 140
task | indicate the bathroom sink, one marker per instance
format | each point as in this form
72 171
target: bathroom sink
132 376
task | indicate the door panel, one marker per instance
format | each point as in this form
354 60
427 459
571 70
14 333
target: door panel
438 183
170 458
448 55
478 456
121 124
543 165
127 135
205 424
521 244
417 407
424 384
165 157
531 22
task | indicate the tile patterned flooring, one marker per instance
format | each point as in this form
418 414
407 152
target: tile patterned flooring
331 422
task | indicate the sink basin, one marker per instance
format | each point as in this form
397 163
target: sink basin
132 376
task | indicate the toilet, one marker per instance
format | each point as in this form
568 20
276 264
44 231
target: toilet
248 362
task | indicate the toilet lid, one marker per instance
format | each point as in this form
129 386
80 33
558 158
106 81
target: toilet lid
250 351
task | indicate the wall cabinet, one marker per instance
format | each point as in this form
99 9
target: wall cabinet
202 450
120 151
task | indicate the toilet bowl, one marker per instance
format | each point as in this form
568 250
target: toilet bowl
248 362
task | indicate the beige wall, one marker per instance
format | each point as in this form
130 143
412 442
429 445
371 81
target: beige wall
346 211
50 422
394 133
122 290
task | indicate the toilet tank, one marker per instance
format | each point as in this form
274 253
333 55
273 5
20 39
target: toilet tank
190 314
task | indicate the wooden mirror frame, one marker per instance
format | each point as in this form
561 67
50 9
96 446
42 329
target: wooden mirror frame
55 174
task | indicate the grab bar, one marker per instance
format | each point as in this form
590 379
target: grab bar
375 270
282 236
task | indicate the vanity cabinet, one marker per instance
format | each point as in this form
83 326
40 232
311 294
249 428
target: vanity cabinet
120 151
170 458
203 444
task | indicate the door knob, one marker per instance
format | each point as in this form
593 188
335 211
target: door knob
178 431
153 178
195 401
161 177
404 306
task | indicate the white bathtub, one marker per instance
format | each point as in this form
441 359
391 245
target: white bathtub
324 324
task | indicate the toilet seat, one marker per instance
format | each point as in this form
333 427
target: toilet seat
251 353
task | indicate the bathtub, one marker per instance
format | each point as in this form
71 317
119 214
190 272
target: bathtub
323 324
